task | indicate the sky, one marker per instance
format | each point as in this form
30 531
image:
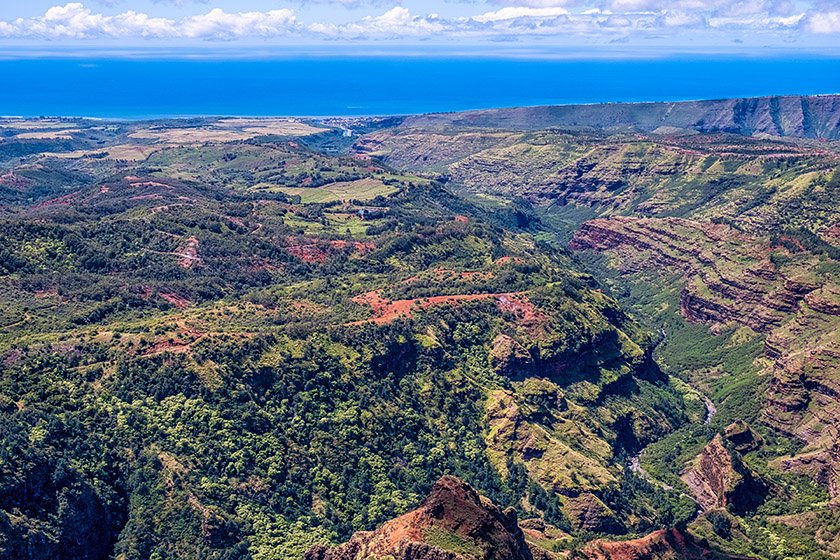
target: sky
535 26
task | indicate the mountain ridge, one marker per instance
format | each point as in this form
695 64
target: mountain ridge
799 116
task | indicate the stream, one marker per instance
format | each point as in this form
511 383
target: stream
711 409
635 464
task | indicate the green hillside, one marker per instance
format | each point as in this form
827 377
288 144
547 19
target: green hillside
199 361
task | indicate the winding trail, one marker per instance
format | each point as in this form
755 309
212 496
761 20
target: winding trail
26 318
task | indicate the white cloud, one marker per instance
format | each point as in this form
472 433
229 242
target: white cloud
539 3
512 12
679 18
395 23
217 24
823 22
74 21
600 20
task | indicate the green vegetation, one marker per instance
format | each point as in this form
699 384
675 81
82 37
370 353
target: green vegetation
234 340
218 365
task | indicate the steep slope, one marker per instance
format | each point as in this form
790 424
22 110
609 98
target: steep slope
774 287
452 523
798 116
720 479
660 545
239 349
571 177
721 235
455 523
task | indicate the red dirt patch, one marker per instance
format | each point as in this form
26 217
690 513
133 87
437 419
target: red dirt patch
387 311
61 200
522 308
463 219
309 253
319 250
659 544
176 347
794 241
357 245
261 264
176 300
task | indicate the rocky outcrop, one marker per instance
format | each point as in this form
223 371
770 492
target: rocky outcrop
452 523
455 523
729 278
588 513
659 545
727 275
823 467
720 478
510 359
742 437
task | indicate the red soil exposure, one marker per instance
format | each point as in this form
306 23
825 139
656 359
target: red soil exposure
832 235
103 189
61 200
308 253
505 260
176 347
452 508
524 310
387 310
794 241
176 300
51 292
357 245
319 251
261 264
461 219
664 544
190 336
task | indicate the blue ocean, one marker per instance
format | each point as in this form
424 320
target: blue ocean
136 87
